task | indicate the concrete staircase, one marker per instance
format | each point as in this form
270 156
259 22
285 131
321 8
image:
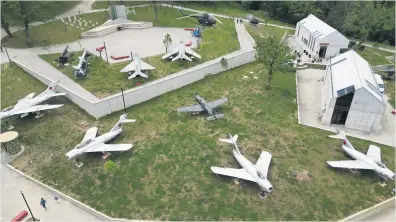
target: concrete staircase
111 26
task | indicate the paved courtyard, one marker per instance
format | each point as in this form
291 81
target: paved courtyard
309 100
12 202
146 42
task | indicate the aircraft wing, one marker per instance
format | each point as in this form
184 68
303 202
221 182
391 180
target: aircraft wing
350 164
129 68
171 52
374 152
232 172
91 133
191 109
191 52
217 103
36 108
24 100
108 148
145 66
263 163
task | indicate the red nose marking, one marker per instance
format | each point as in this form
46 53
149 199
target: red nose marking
344 142
50 88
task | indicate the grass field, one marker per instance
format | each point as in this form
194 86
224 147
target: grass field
52 32
257 31
51 9
374 56
167 174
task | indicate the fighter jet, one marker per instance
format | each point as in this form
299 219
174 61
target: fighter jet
30 105
204 106
90 143
181 52
204 18
64 57
256 173
136 67
370 161
81 68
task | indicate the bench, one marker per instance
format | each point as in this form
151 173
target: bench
189 43
119 57
99 49
20 216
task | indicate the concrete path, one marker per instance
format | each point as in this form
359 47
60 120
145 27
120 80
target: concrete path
308 81
12 202
42 67
386 214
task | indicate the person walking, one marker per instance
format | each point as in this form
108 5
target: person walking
43 202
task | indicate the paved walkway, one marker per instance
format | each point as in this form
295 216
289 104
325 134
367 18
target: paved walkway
308 81
42 67
12 202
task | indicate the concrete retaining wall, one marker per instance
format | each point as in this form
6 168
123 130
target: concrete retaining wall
372 210
152 89
175 81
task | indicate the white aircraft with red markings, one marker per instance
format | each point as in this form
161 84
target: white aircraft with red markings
369 161
257 173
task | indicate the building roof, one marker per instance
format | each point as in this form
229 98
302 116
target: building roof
349 71
313 24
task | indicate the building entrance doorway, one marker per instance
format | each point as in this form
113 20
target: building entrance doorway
322 51
341 109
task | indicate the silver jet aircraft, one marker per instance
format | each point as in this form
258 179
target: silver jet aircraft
31 105
136 67
90 143
369 161
256 173
181 52
81 68
204 106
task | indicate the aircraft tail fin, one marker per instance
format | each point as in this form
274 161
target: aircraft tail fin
217 116
52 89
340 135
231 139
123 119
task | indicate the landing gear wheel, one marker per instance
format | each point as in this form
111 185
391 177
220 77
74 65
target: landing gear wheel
39 115
238 181
78 163
9 126
262 194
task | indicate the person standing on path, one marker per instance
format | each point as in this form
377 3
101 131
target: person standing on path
43 202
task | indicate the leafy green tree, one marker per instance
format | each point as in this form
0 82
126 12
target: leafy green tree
28 12
167 41
273 54
110 166
360 20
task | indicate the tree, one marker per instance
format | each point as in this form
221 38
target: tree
273 54
6 11
360 20
167 41
28 12
110 166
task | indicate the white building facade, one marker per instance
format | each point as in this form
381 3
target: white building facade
319 39
350 94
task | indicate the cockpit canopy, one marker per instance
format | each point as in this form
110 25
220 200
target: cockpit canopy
382 165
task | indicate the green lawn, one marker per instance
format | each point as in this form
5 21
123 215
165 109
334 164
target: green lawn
257 31
374 56
167 174
51 9
390 91
52 32
104 4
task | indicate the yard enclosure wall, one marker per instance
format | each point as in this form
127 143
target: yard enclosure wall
152 89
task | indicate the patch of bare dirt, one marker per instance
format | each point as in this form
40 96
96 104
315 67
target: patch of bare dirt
303 176
236 110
